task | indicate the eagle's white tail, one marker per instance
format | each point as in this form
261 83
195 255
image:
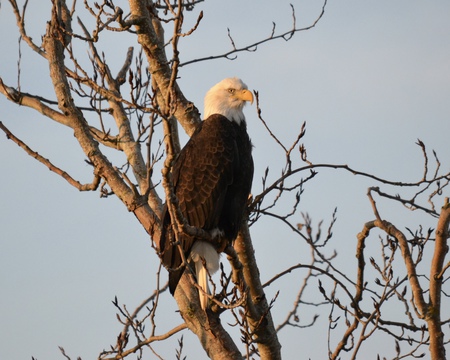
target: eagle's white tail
202 279
203 250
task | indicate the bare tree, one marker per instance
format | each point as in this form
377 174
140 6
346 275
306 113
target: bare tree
147 106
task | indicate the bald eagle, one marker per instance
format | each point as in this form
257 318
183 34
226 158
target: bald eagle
212 179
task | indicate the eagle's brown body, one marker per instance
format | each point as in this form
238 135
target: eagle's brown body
212 179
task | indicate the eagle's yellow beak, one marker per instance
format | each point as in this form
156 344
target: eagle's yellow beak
246 95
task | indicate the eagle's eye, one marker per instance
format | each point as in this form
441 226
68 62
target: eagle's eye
231 91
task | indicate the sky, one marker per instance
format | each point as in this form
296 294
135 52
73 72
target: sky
369 80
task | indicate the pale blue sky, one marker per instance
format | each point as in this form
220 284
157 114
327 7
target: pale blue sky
370 79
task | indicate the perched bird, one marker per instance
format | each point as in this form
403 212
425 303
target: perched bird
212 178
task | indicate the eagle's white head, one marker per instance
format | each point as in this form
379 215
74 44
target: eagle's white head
228 98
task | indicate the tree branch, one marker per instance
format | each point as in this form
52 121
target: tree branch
437 348
55 55
253 47
82 187
150 36
257 307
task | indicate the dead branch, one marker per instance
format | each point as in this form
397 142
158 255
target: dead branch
81 187
287 35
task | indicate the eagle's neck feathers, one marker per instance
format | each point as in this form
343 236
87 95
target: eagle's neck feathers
232 114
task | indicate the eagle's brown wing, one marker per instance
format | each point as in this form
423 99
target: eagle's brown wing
202 175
